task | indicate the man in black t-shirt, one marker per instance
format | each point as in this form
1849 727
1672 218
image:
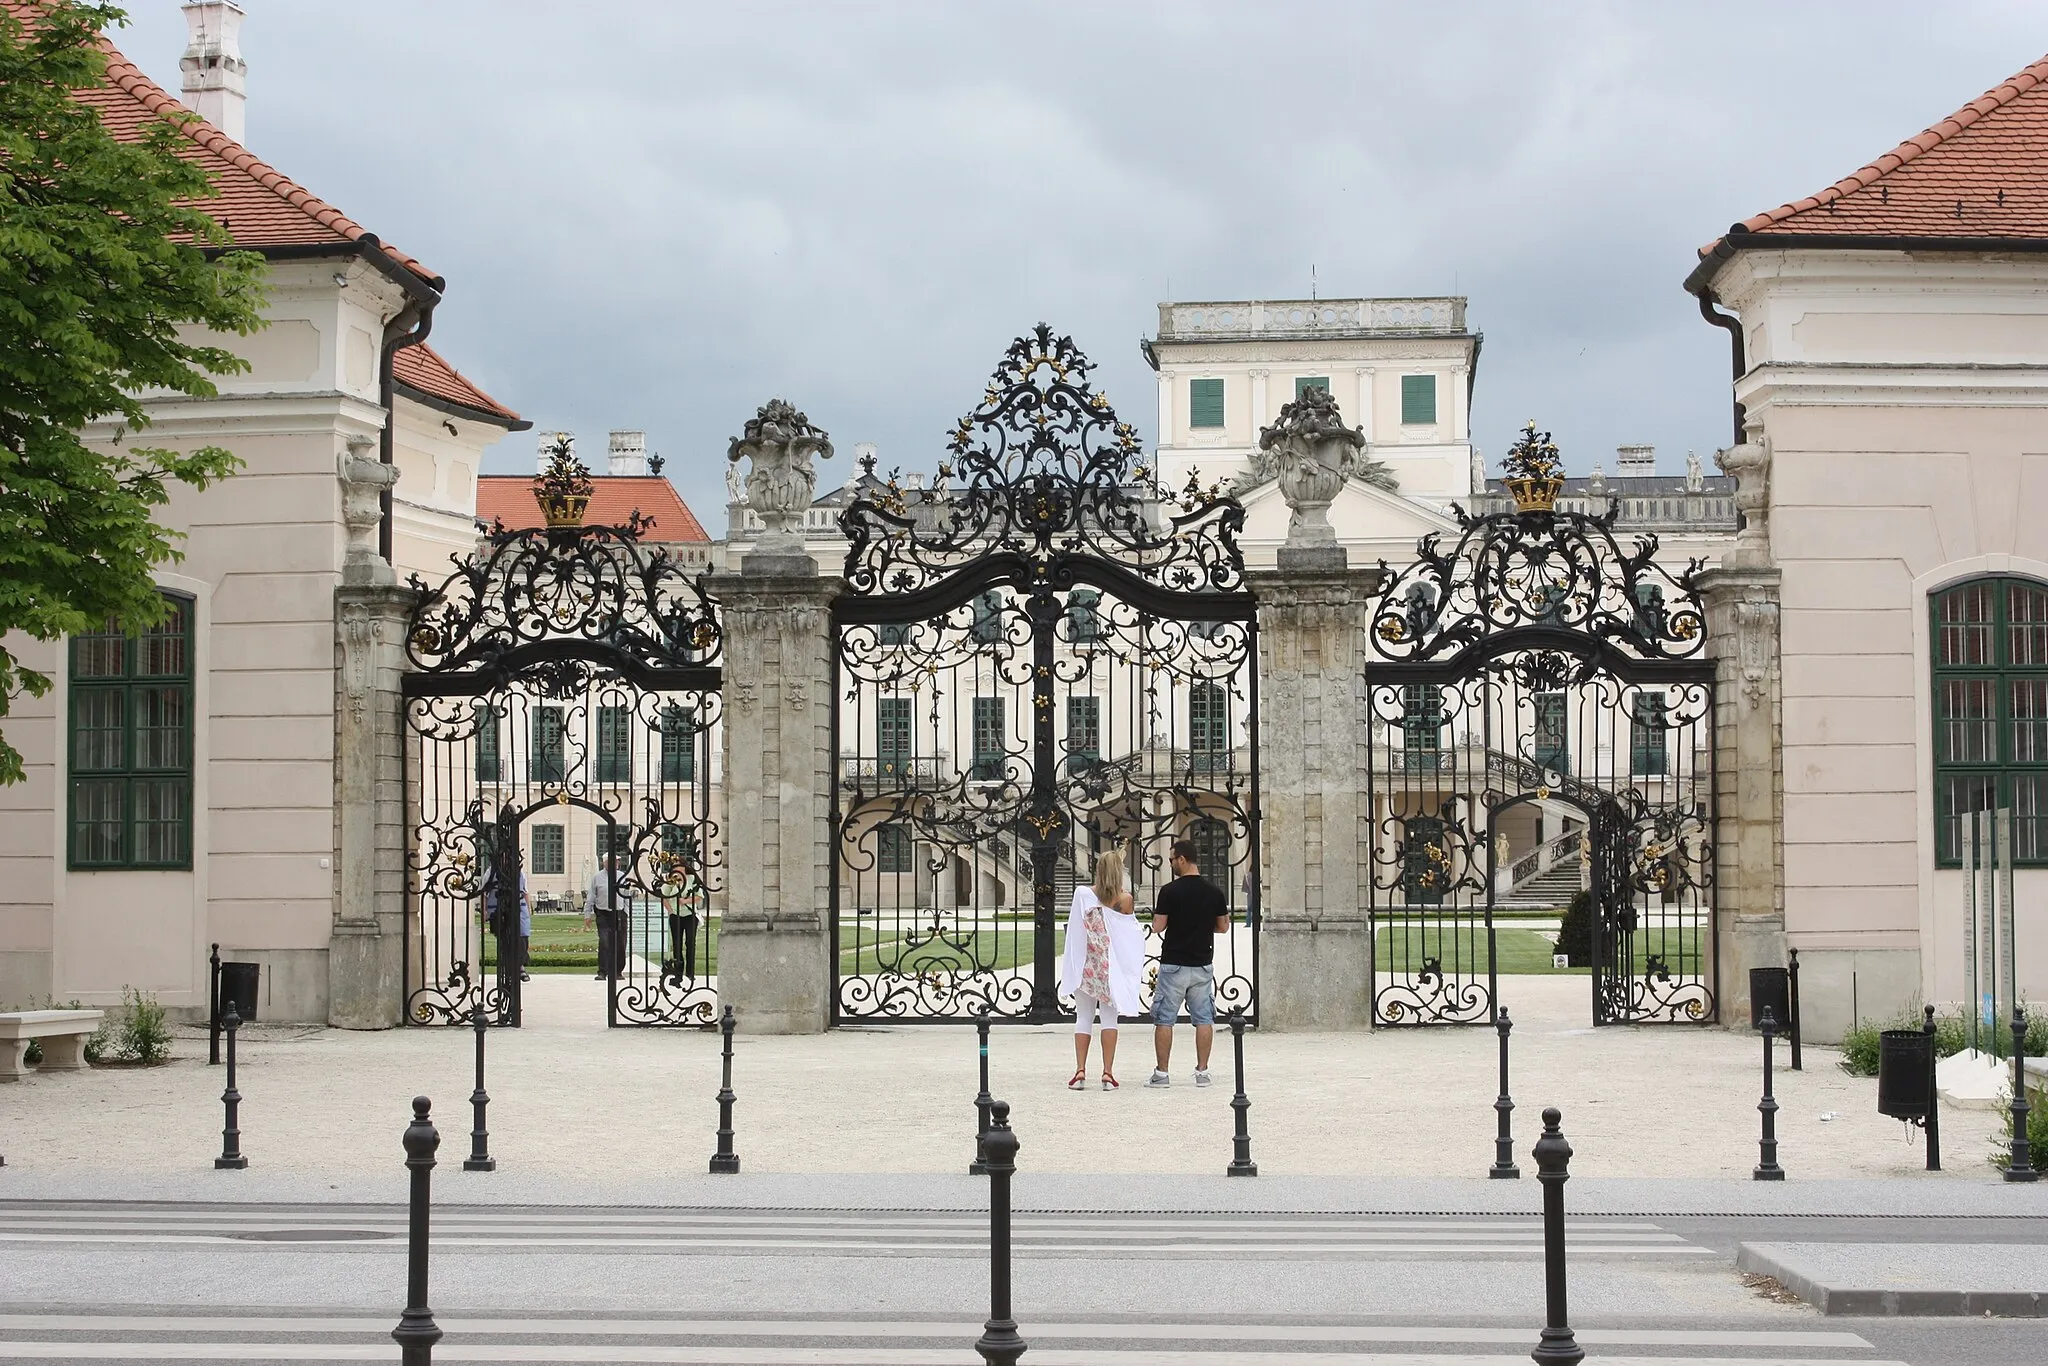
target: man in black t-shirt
1188 916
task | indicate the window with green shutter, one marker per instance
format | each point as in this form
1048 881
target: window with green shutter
131 744
548 858
1422 727
678 743
488 762
1208 728
895 738
1648 724
1304 383
614 745
893 848
1990 666
1205 403
1084 733
1418 400
1084 615
1553 738
989 747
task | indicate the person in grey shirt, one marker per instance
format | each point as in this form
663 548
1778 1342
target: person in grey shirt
608 904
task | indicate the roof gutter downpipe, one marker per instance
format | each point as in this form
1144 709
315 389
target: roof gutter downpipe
1709 311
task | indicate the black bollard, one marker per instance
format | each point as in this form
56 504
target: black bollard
1933 1120
479 1159
999 1342
1553 1168
1767 1168
231 1100
213 1007
1504 1168
1792 1005
417 1332
725 1159
2021 1167
979 1166
1241 1163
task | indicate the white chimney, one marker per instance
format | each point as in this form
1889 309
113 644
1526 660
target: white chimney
543 443
628 453
1634 461
215 76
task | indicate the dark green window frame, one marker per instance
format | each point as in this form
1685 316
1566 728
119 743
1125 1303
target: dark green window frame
1648 726
1084 733
895 851
678 743
1418 400
490 760
1552 735
549 760
990 743
1422 727
1208 728
1304 383
130 745
988 618
1989 639
549 855
1205 403
1211 838
895 736
1084 616
614 744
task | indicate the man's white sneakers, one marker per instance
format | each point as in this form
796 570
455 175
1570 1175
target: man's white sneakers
1159 1078
1201 1076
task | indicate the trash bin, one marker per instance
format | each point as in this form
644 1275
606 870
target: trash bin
1770 987
1905 1073
238 985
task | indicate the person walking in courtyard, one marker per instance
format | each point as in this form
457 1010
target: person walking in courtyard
1105 955
604 903
501 925
679 903
1189 914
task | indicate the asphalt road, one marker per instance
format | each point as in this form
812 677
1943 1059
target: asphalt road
189 1281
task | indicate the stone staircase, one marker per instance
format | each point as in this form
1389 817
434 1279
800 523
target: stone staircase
1554 886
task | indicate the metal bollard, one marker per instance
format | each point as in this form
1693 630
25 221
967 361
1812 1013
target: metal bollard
2021 1168
231 1099
1933 1121
1792 1006
725 1159
979 1166
1504 1168
999 1342
1767 1168
213 1007
1553 1168
479 1159
1241 1163
417 1332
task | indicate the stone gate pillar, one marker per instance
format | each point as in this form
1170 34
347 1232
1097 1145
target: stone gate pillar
1315 951
774 944
1742 636
366 944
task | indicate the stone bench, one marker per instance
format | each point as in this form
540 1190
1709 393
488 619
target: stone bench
62 1034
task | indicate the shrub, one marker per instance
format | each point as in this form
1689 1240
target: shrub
2037 1132
142 1035
1575 930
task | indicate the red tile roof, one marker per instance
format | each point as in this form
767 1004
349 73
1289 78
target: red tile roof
259 205
1981 174
508 498
420 372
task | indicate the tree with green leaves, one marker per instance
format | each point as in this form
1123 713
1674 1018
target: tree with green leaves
103 256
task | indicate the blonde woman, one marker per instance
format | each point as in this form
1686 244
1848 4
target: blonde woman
1104 958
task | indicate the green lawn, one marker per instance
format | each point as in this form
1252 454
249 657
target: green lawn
560 944
1516 951
1002 948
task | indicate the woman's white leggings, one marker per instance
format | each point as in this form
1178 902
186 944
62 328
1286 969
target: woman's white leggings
1087 1009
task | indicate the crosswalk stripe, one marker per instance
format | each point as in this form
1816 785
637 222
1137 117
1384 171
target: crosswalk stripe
859 1328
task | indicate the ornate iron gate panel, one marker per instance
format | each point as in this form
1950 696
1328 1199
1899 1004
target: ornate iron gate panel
1037 658
1541 725
562 670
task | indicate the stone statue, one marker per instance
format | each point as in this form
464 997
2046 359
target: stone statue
1695 479
1313 454
1501 860
363 481
1478 471
735 489
781 442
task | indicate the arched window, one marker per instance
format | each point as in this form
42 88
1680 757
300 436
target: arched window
131 744
1990 639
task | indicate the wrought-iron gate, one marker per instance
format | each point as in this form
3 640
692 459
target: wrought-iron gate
1541 722
562 669
1036 659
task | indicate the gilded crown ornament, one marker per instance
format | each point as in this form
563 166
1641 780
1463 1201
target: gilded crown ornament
563 489
1535 472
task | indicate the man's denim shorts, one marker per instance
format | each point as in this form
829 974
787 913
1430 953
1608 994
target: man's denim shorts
1178 983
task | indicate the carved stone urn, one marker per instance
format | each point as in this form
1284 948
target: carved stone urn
781 443
1313 453
363 481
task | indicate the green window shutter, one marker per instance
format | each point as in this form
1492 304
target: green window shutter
990 748
130 740
487 759
1084 733
1648 722
1990 693
1304 383
894 737
549 762
893 848
547 859
1205 403
1418 400
1553 736
678 743
614 745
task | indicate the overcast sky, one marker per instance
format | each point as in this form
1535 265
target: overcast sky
659 215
